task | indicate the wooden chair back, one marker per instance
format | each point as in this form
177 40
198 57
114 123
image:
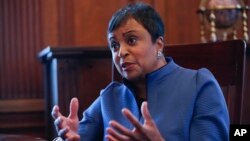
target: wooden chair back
226 60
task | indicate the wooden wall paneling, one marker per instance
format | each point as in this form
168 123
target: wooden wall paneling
160 6
6 67
32 50
91 30
38 44
12 58
125 2
1 49
21 36
25 48
21 43
49 23
19 117
182 22
8 49
66 22
77 27
174 14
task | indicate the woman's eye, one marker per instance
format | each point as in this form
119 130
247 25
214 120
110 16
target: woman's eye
131 40
114 46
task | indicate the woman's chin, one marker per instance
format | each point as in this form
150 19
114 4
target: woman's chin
131 77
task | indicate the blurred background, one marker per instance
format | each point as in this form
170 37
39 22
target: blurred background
29 26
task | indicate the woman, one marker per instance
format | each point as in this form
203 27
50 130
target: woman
177 104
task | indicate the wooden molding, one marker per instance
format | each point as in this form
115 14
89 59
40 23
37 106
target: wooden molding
22 105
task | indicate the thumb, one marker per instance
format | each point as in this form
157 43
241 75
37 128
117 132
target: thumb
55 112
145 111
74 105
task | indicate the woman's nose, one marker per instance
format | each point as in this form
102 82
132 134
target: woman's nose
123 51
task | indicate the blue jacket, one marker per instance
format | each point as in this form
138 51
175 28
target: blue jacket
186 105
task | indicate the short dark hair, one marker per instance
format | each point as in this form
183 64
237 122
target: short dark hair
143 14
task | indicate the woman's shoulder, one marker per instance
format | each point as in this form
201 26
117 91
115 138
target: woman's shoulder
205 74
112 86
115 93
201 73
200 76
204 78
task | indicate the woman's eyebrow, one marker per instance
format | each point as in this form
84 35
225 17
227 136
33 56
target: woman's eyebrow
128 32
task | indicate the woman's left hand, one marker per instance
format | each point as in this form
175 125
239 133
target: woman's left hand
146 132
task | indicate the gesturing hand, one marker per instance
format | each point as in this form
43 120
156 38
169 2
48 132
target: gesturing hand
67 126
148 131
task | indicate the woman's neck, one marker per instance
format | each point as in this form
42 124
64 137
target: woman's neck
140 89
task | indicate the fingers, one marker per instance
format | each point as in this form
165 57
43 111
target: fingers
58 122
113 135
121 129
146 131
67 126
68 135
120 133
55 112
62 132
146 115
132 119
74 106
73 137
110 138
145 112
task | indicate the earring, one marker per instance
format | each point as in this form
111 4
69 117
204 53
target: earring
159 54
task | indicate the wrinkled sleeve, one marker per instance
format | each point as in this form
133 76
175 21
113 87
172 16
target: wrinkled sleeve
211 119
91 126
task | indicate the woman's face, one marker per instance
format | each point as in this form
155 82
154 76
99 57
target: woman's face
133 52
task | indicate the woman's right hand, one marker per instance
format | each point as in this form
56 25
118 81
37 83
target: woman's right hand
67 127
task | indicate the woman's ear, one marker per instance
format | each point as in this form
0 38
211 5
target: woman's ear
160 43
